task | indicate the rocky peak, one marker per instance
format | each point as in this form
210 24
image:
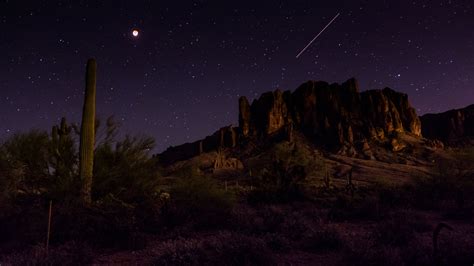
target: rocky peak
330 114
452 127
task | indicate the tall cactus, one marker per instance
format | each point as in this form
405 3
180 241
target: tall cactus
61 146
86 161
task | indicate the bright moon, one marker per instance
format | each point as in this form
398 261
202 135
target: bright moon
135 33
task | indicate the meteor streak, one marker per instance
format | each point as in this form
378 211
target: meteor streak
306 47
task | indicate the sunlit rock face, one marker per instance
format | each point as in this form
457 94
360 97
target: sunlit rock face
454 126
330 114
244 115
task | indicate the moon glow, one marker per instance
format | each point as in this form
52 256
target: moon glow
135 33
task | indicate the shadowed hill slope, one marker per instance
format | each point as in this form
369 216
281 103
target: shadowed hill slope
452 127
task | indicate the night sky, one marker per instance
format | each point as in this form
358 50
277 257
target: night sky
180 78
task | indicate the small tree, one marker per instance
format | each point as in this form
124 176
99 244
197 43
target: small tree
26 158
283 180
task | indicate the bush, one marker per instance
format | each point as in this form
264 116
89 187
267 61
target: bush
199 199
9 181
449 187
108 224
362 207
71 253
221 249
324 239
396 230
285 180
280 184
374 256
25 164
456 251
23 223
277 242
125 170
33 163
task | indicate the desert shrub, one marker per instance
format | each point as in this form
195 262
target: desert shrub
25 182
297 227
276 219
32 163
277 242
106 224
189 171
374 256
9 181
282 183
448 189
455 251
451 188
124 169
417 252
323 239
25 162
71 253
268 219
361 207
464 158
396 230
295 154
284 179
23 223
181 252
271 219
414 219
221 249
463 213
391 196
199 199
245 219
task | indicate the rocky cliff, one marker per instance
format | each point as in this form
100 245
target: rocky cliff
334 116
451 127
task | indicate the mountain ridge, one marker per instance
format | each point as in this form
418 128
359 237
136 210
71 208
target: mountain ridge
335 117
454 127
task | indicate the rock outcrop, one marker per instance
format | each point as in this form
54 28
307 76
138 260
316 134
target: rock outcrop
452 127
333 115
225 137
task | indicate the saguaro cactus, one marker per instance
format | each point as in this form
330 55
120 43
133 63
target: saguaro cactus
62 149
86 160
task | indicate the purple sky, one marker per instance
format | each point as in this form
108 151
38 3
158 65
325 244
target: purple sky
180 79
